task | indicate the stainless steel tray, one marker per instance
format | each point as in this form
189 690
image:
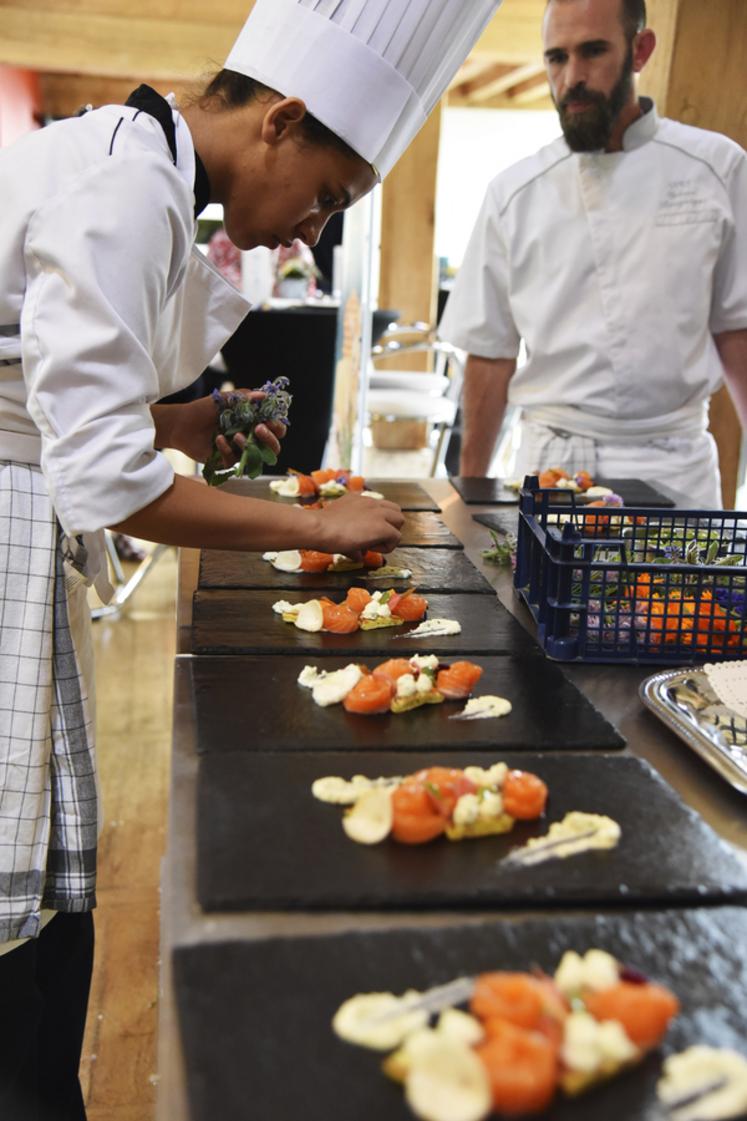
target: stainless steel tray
686 703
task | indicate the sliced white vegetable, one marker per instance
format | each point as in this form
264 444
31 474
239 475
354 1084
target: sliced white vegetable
310 616
460 1025
289 561
371 494
372 1020
447 1081
370 819
334 687
288 488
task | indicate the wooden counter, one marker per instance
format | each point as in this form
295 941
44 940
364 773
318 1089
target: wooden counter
613 689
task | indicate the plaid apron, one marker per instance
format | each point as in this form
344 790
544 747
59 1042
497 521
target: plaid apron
48 795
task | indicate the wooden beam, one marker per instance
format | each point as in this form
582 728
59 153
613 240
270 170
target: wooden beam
504 101
507 81
529 94
121 45
485 74
62 95
515 32
407 279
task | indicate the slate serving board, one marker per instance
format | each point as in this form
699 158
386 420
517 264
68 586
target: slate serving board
407 495
241 621
433 570
425 529
549 712
255 1016
241 865
487 492
502 521
482 491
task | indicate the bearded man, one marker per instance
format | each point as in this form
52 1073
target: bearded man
618 255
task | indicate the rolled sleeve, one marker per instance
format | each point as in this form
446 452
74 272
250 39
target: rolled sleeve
478 315
729 302
102 261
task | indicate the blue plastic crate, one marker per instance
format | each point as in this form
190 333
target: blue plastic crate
632 585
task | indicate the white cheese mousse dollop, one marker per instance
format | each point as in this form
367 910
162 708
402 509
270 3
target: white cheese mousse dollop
431 627
483 708
704 1084
577 832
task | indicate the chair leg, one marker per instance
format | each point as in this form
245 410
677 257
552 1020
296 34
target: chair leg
440 450
125 591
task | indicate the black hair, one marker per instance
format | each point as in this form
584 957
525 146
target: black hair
633 17
235 90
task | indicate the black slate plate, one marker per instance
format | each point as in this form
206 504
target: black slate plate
425 529
407 495
433 570
549 712
680 860
241 621
486 492
255 1016
502 521
637 492
480 491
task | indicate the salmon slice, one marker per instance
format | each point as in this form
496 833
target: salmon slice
458 680
392 669
339 618
312 561
370 696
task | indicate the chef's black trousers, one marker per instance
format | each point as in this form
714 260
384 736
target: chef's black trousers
44 986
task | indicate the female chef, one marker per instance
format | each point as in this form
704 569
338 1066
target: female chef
105 308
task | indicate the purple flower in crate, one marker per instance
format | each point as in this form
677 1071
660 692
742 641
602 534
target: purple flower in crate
731 600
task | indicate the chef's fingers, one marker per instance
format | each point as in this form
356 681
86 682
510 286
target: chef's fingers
265 436
227 453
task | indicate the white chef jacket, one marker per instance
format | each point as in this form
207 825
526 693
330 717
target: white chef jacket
616 269
105 307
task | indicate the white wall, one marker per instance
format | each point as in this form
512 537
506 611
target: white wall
475 145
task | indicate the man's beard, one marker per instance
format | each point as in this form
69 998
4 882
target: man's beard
591 129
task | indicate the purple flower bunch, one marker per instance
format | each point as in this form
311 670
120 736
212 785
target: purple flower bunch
238 413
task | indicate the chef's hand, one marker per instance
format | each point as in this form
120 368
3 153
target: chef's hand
190 429
352 524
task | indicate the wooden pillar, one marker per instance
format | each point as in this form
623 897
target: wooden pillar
696 76
408 266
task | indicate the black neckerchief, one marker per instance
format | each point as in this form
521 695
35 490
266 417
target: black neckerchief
147 100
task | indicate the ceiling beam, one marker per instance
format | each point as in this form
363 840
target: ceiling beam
529 93
62 95
504 82
172 39
85 43
514 33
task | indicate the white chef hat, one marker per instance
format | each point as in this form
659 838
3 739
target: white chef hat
370 70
